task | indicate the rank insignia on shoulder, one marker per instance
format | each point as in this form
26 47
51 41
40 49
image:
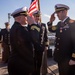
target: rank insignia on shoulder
73 55
35 27
54 28
71 21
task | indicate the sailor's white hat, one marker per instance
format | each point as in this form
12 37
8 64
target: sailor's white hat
20 11
60 7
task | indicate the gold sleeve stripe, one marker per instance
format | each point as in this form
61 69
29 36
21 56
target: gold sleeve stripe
35 27
54 28
73 55
46 43
59 9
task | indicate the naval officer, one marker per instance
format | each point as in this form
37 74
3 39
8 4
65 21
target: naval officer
5 40
22 39
64 53
41 47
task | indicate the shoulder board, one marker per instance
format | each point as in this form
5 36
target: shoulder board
35 27
71 21
73 55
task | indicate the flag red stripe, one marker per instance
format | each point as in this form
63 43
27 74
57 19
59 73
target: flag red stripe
33 3
33 7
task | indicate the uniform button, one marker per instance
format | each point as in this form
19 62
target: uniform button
57 43
57 48
58 38
65 29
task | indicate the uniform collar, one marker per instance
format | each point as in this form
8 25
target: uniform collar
37 23
64 19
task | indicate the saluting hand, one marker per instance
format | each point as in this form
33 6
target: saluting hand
30 20
52 18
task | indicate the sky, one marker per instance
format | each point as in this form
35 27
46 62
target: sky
46 8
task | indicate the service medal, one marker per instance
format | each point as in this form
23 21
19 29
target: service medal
60 30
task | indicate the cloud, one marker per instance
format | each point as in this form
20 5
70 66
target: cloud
48 16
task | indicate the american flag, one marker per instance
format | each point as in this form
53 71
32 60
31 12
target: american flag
33 6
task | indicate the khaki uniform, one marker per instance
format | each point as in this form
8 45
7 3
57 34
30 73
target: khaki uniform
5 39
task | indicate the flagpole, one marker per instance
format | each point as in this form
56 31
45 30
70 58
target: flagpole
39 7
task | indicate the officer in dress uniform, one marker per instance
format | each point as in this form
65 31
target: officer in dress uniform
5 40
64 53
24 34
41 47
